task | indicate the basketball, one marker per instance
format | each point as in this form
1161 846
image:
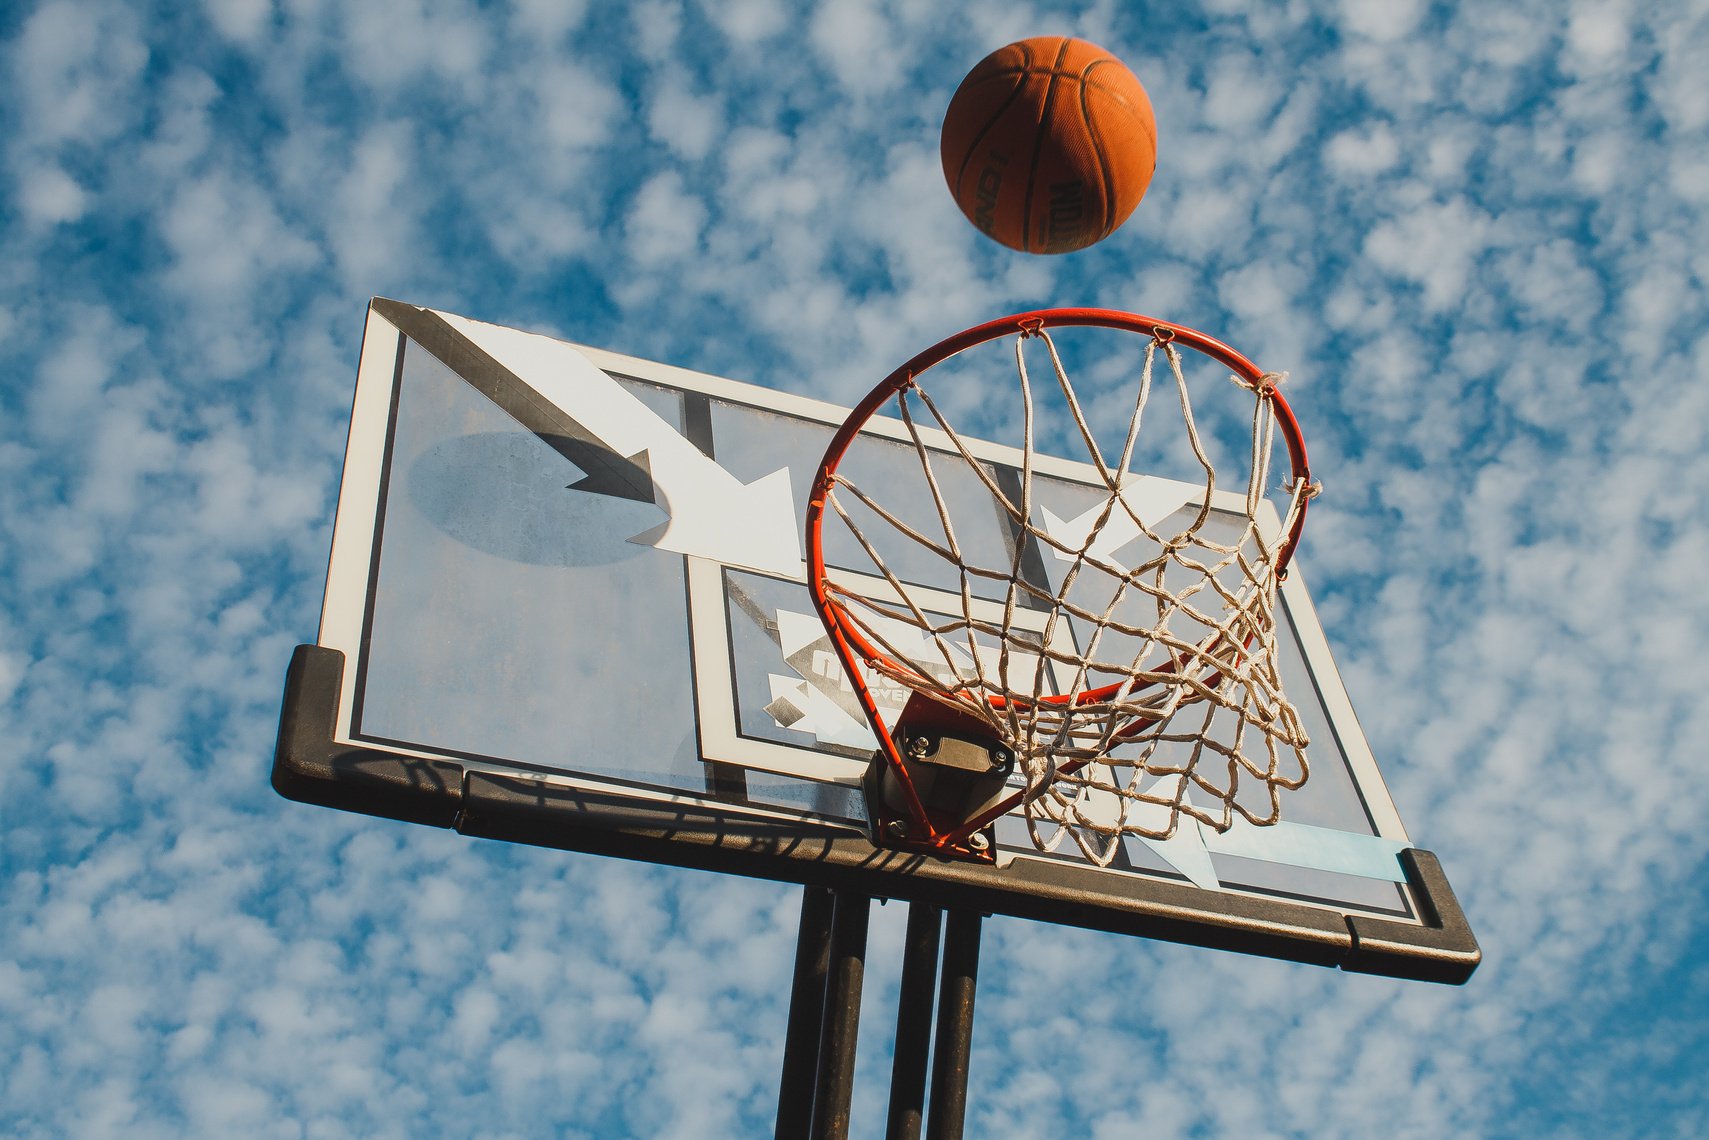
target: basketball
1049 144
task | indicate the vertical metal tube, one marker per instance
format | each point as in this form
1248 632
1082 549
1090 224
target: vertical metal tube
955 1025
842 1017
914 1022
806 1013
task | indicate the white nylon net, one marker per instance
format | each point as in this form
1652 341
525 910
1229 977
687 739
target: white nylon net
1136 681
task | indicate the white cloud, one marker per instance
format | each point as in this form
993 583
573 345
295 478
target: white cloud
1363 151
580 110
80 361
1382 20
1688 177
75 66
1680 87
398 44
1597 37
657 24
125 450
550 20
1653 303
477 1012
371 218
851 37
50 196
185 132
13 662
749 22
1504 38
1199 221
1552 282
1600 163
242 21
1238 96
227 238
690 124
1435 246
763 183
666 223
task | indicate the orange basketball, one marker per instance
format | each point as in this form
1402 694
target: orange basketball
1049 144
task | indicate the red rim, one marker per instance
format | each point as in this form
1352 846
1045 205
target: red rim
852 647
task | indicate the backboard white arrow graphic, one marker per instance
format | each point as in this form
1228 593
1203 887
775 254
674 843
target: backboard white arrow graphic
711 513
1150 498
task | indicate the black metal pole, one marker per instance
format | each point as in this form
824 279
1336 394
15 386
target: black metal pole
955 1025
842 1017
914 1021
806 1012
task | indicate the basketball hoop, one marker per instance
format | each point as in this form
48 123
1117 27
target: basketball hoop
1166 700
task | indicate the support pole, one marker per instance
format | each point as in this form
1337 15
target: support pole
914 1022
806 1013
955 1025
842 1017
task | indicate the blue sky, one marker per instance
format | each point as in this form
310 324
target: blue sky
1473 235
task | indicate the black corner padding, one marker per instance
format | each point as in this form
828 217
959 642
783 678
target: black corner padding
312 767
1445 950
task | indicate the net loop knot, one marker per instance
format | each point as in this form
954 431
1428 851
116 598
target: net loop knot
1265 384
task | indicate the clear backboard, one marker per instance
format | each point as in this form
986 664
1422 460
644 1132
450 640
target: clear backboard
565 606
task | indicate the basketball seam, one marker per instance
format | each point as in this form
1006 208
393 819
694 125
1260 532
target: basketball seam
1029 70
1032 174
1106 225
1114 90
972 147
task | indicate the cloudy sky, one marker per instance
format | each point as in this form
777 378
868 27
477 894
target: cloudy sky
1472 233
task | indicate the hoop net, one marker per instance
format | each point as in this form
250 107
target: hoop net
1136 683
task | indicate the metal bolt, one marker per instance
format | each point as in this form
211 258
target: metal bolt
920 746
977 841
